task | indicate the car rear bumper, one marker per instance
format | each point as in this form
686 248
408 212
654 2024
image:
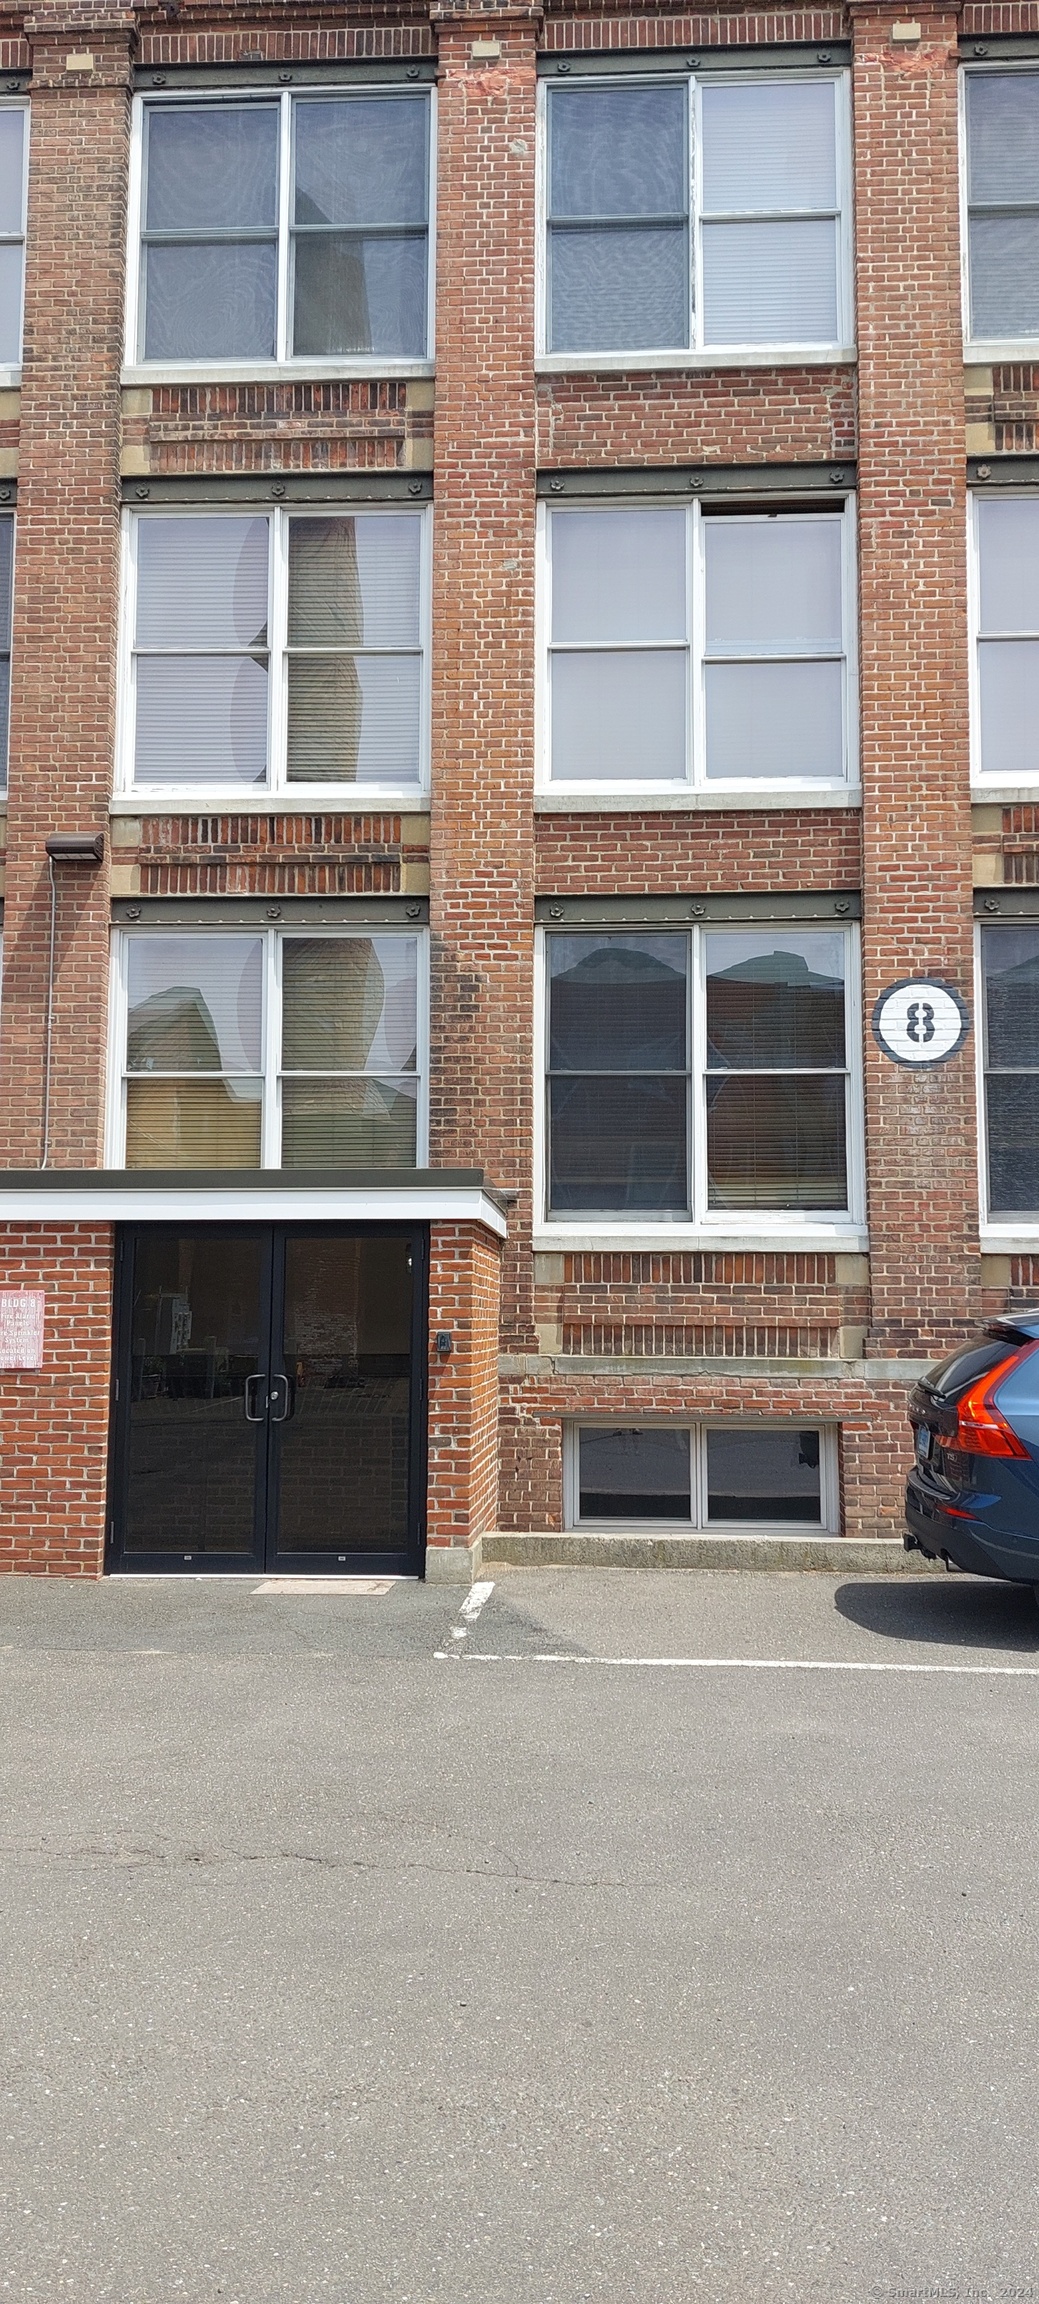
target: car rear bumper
968 1542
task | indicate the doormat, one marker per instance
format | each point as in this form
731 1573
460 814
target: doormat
348 1587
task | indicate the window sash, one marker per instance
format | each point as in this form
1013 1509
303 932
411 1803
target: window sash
280 655
264 1087
988 643
7 520
696 216
13 238
284 236
1002 1086
698 660
698 1079
696 1489
978 211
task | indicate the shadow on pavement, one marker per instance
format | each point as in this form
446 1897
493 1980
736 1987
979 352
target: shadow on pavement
966 1612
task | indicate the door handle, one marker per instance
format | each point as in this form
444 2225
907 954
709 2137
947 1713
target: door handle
281 1401
253 1414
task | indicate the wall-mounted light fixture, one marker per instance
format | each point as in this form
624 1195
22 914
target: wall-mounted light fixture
76 847
62 848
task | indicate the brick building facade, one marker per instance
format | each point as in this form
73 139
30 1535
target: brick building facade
522 543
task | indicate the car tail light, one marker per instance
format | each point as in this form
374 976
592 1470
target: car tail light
980 1428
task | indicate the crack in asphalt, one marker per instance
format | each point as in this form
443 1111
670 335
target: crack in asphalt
199 1858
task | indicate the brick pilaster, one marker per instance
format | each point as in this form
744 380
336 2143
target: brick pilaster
66 577
921 1127
482 838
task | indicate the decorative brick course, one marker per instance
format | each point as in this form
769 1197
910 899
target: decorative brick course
743 851
331 426
660 419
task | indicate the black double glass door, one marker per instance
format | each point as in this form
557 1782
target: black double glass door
268 1399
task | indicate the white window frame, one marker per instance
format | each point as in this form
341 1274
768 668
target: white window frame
698 1524
136 369
1004 1235
696 783
696 353
1021 788
276 789
11 370
8 512
270 1077
792 1228
980 350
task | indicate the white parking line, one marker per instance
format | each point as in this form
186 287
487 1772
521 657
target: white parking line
744 1663
474 1600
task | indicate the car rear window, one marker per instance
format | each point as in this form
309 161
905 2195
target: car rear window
955 1376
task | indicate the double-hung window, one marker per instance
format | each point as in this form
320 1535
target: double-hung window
272 651
697 214
6 596
700 1075
271 1049
14 155
1006 650
284 228
687 647
1002 204
1010 1052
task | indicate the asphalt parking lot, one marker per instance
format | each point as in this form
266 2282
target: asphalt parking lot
625 1936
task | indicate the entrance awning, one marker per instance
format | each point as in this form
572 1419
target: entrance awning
263 1195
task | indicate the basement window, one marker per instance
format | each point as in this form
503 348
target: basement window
282 230
701 1476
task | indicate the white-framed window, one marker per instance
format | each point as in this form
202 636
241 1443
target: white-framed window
1004 594
734 1475
6 605
1000 141
685 647
696 214
1008 1048
282 228
276 651
14 178
269 1048
705 1076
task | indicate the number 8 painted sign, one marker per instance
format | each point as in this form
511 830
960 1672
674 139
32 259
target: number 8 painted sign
920 1021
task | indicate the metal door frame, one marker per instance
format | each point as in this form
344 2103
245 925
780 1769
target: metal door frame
408 1560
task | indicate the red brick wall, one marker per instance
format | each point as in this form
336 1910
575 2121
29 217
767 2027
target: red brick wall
748 416
464 1287
875 1434
54 1420
731 852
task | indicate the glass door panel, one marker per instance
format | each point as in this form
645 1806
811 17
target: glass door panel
342 1452
268 1403
197 1314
